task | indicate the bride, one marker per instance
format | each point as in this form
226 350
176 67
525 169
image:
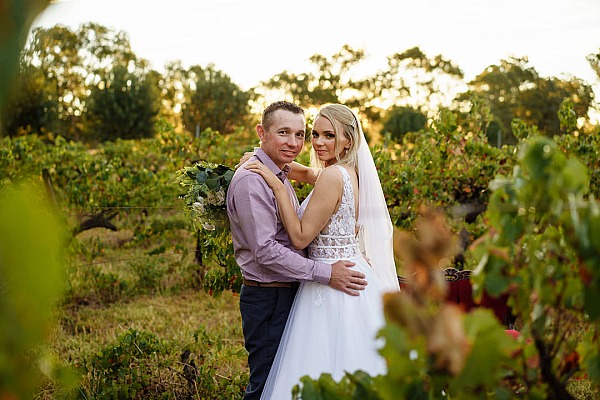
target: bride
344 217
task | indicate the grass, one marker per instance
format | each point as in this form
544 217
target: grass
94 326
135 322
209 328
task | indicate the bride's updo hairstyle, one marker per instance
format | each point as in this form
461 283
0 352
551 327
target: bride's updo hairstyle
344 122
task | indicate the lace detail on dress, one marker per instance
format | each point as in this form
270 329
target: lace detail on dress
319 294
337 241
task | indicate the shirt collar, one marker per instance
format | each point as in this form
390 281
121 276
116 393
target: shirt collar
265 159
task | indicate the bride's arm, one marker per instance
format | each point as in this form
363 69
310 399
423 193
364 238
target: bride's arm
302 173
325 198
299 172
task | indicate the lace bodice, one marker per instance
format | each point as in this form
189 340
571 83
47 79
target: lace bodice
337 241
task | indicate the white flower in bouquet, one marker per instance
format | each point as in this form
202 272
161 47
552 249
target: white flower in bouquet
198 207
216 198
208 226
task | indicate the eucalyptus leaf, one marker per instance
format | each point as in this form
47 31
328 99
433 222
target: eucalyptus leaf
201 176
213 184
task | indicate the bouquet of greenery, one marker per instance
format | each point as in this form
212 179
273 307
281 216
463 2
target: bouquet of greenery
205 198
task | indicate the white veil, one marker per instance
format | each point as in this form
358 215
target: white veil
376 229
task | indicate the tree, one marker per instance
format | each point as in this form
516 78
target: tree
170 85
32 107
410 75
124 106
400 120
540 107
329 81
513 89
55 52
73 62
415 79
212 100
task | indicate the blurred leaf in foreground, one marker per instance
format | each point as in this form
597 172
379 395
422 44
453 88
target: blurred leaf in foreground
31 282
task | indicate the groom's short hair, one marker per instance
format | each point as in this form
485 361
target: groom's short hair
267 115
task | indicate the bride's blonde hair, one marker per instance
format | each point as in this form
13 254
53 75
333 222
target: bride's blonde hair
344 122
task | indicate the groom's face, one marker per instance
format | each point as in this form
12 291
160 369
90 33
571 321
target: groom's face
283 138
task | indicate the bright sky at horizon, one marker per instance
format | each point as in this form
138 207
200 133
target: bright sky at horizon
253 40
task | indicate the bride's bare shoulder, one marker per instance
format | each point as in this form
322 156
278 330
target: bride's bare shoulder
330 181
330 174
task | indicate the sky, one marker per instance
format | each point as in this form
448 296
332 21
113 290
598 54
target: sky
252 40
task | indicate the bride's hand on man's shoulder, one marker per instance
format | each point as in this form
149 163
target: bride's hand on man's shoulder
244 158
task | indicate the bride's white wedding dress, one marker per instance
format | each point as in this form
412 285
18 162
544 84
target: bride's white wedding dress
327 330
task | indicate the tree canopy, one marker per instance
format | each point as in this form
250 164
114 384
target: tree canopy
212 100
514 89
88 84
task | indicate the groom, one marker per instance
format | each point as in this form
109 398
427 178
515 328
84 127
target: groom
270 265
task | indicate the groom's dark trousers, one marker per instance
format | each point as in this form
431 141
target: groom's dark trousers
264 313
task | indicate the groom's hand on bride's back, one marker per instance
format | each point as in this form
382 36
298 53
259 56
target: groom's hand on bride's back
345 279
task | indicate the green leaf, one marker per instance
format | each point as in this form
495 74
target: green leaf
213 184
228 176
593 219
201 176
575 176
491 348
538 156
309 389
496 281
32 272
592 301
588 351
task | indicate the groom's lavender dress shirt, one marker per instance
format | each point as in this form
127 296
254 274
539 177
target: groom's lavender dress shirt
262 247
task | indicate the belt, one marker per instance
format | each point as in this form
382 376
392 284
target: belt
248 282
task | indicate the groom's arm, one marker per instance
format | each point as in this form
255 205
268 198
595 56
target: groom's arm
302 173
258 229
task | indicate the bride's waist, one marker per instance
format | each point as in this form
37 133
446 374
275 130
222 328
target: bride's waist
334 240
333 250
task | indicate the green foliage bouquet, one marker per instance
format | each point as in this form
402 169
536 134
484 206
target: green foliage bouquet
207 185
